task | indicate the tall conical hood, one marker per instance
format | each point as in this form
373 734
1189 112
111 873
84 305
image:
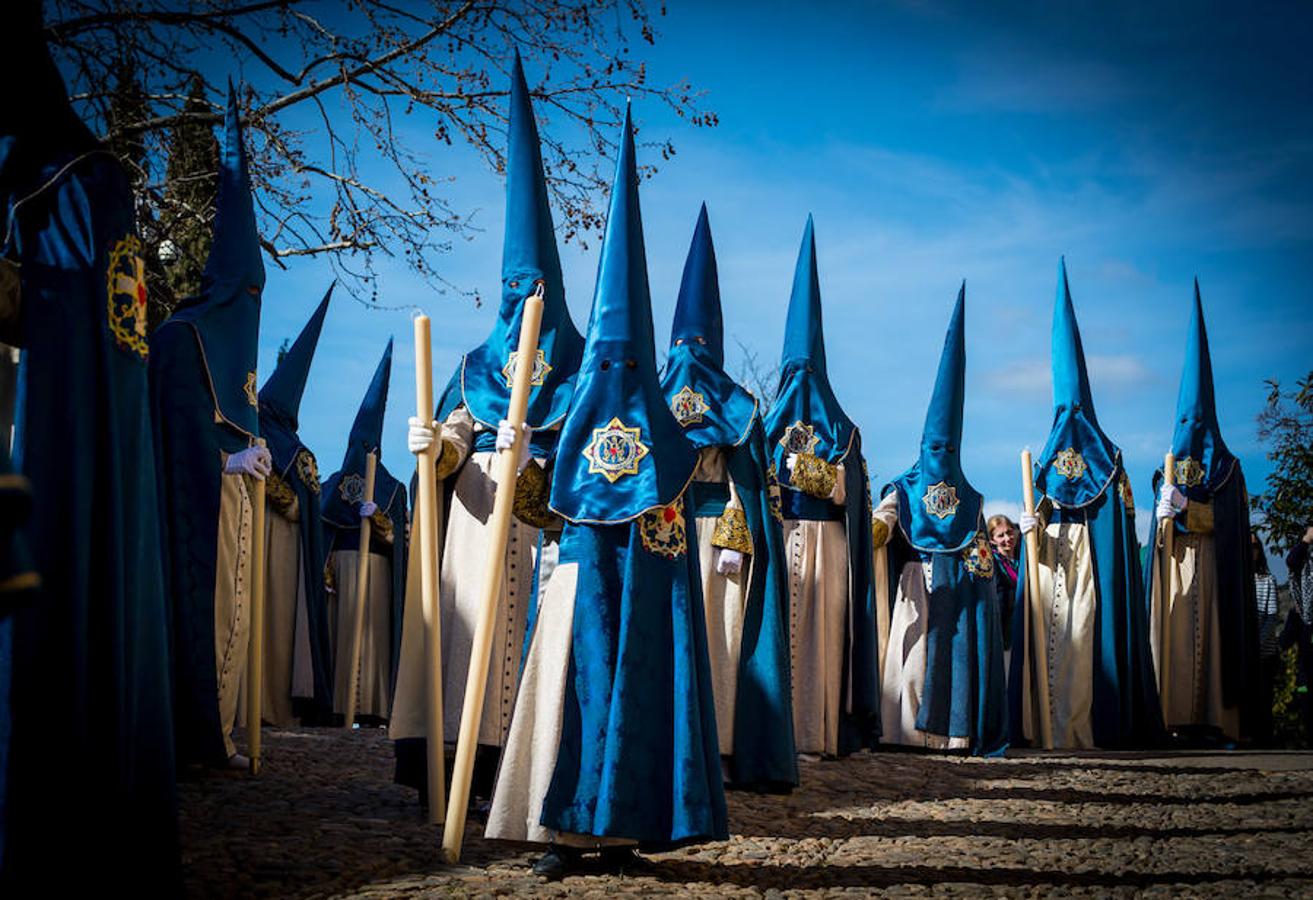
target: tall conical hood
39 132
806 416
1202 458
529 257
938 508
713 410
281 394
621 451
226 313
342 491
1079 461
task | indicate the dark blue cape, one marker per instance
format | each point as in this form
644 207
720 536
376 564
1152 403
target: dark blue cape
280 404
91 764
529 257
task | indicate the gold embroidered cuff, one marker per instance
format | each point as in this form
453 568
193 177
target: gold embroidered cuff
531 492
879 534
732 532
382 526
308 470
281 497
813 475
1199 517
773 498
448 460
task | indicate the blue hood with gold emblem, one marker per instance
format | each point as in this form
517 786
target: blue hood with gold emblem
1202 457
341 496
713 410
806 417
938 508
529 258
621 451
226 313
1079 461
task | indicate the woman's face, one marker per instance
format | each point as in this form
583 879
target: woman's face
1004 539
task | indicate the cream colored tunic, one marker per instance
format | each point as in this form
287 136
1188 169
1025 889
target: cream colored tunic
904 659
723 599
374 686
1194 693
287 667
1068 598
820 613
232 592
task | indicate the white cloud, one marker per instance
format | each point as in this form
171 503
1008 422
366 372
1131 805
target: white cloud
1009 508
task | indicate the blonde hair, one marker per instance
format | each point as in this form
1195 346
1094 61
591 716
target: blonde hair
996 520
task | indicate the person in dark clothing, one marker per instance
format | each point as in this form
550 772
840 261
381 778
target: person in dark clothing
1298 631
1269 646
1005 539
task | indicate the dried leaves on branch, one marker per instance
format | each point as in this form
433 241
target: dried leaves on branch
350 109
1285 426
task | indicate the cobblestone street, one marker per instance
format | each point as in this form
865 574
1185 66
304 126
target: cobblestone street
324 819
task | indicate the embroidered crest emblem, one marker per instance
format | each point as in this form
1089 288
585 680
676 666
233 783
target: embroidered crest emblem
1189 472
1070 464
799 438
662 530
126 286
307 470
773 497
1124 491
352 488
978 558
615 451
688 406
251 396
540 368
941 500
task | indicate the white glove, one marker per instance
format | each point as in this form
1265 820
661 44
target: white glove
1170 501
421 435
728 562
368 508
790 461
506 440
1029 523
253 461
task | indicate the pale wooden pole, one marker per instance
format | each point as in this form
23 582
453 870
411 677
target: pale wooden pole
255 645
1035 607
425 531
362 591
1167 589
498 532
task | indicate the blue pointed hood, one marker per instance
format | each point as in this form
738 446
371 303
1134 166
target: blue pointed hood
1079 461
340 495
621 451
226 313
713 410
806 416
1202 457
280 398
938 508
529 256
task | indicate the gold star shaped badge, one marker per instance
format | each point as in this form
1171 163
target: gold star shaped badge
615 451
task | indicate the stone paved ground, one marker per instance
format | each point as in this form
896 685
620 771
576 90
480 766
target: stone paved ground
324 819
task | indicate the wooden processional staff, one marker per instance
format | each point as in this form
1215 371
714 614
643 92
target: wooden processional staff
362 591
1166 591
1035 609
425 531
255 637
499 532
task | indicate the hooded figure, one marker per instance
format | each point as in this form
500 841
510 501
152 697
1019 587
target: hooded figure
471 409
942 670
298 666
202 380
1211 619
740 547
613 738
84 667
344 506
825 504
1100 673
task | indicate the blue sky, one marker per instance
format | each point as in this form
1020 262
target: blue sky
935 142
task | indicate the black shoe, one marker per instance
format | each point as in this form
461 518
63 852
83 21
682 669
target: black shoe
555 864
618 860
